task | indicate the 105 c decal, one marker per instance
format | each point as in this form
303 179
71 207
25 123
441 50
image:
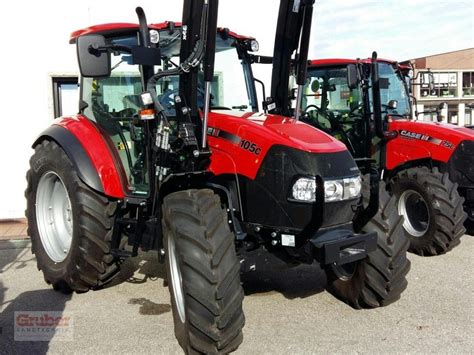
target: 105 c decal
251 147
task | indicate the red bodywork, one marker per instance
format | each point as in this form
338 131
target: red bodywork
228 157
117 28
342 61
98 151
432 140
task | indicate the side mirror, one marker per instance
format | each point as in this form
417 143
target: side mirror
93 56
352 80
392 104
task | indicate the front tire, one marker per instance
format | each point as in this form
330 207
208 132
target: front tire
203 273
432 208
70 225
380 278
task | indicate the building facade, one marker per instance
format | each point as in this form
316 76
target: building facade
453 76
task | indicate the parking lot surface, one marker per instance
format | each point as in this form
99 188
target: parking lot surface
286 311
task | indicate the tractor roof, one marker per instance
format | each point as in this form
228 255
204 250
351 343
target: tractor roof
341 61
114 29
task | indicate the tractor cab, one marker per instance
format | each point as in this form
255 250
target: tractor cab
113 102
344 109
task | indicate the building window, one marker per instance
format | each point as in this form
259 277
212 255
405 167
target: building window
65 96
425 84
429 113
453 114
445 84
468 84
468 116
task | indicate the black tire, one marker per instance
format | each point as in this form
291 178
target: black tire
88 264
380 278
194 221
444 208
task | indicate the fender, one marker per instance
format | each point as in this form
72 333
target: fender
86 148
401 153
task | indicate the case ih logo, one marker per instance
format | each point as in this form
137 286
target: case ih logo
42 326
426 138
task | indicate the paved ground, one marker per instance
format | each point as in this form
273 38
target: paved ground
287 312
13 229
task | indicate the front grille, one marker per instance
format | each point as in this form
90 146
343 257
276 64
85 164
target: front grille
268 195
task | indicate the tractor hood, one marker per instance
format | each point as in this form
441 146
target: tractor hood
275 129
241 141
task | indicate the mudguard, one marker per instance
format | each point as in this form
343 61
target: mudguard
85 146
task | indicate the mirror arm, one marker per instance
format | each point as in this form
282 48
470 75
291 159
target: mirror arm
415 103
264 106
95 50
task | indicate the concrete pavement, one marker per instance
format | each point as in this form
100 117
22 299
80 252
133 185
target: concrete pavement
286 312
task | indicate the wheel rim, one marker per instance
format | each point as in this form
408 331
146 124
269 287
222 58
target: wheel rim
344 272
54 216
176 281
413 207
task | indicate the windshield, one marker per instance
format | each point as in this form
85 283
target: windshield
393 89
327 100
113 102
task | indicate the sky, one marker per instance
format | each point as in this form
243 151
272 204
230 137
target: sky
399 30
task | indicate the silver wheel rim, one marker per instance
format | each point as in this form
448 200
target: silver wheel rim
176 281
413 207
54 216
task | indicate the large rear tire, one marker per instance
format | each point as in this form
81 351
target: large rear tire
380 278
432 208
203 273
69 224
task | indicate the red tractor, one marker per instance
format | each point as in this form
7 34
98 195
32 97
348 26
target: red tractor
428 166
169 153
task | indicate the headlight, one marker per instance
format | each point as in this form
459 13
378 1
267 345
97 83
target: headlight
304 189
333 190
154 36
342 189
352 187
